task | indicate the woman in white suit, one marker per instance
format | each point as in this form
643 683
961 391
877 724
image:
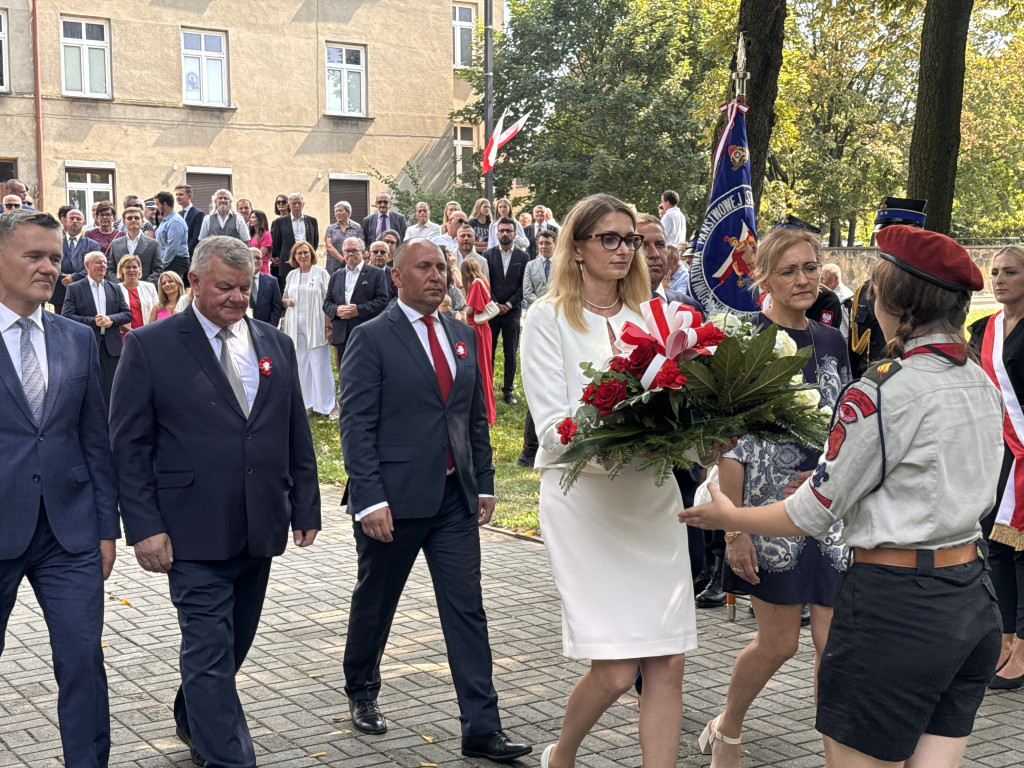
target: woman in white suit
304 321
140 295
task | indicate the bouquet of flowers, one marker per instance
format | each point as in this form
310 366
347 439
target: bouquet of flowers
681 385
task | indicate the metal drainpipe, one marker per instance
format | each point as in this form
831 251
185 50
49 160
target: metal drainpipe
40 199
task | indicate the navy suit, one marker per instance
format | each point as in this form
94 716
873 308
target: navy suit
283 239
225 488
72 263
194 221
80 306
267 306
396 221
370 297
507 288
59 500
396 434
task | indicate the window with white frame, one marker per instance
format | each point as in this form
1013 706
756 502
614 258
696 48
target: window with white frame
346 79
204 68
462 34
465 145
85 57
87 186
5 77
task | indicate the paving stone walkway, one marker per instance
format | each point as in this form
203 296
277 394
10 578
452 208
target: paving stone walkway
291 685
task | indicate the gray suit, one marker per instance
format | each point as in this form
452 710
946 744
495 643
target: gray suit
148 252
535 284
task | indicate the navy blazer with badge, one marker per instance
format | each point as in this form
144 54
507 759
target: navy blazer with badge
191 465
80 306
66 461
267 307
73 263
370 297
507 287
395 428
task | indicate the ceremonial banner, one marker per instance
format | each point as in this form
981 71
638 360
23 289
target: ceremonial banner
722 267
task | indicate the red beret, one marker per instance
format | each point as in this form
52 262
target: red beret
933 257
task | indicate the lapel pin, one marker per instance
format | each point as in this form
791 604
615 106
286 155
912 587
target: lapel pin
460 349
266 366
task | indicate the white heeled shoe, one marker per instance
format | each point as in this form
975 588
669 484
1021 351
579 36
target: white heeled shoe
706 741
546 755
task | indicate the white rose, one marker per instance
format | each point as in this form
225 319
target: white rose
727 322
784 345
808 398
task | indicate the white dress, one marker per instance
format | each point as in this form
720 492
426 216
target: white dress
618 553
305 323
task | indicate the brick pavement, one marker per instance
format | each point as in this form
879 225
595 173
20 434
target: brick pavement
291 685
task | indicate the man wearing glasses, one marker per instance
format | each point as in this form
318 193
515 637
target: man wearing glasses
376 224
506 266
12 203
355 294
447 238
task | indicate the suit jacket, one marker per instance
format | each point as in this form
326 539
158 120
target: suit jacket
194 222
283 237
396 221
72 469
80 306
73 263
191 464
507 287
370 297
148 252
535 284
267 307
396 431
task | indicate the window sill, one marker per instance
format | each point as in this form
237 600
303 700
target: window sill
214 107
86 97
350 116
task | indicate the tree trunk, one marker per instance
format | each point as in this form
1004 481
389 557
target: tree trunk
835 233
935 143
762 23
851 235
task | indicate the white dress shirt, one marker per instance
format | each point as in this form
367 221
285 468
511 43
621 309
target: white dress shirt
99 297
299 229
12 338
132 244
506 258
243 355
674 223
429 230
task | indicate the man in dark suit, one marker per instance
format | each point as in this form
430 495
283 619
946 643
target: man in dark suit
418 455
59 511
265 296
145 248
507 267
215 461
376 224
355 294
288 230
100 304
193 216
76 245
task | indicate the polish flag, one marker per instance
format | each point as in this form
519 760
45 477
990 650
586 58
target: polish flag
500 138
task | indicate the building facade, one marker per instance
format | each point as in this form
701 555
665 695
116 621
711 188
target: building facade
263 98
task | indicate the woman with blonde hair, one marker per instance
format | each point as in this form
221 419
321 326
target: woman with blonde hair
480 220
171 296
478 296
618 556
140 295
503 209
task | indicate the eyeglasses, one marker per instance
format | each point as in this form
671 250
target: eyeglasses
350 250
611 241
811 271
461 221
12 205
379 251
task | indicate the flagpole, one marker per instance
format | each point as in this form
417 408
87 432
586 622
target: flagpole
488 89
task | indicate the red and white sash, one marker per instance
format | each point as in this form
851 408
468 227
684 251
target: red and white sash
1009 525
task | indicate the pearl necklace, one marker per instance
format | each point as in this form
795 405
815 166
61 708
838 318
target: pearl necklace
598 306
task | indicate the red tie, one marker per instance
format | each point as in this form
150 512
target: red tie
444 373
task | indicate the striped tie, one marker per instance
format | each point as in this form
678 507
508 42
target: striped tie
31 374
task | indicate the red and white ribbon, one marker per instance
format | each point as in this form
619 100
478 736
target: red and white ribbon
671 327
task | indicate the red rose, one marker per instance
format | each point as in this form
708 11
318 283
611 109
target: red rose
669 377
619 365
641 357
608 395
566 429
709 335
588 394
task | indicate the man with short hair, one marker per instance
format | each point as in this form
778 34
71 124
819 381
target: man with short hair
506 266
134 242
355 294
423 227
11 203
223 220
376 224
244 208
19 188
100 304
417 451
391 239
466 248
265 296
379 254
447 238
192 216
678 272
832 278
59 511
673 220
76 245
216 462
172 236
294 227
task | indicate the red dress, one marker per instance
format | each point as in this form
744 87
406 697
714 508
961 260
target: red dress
477 299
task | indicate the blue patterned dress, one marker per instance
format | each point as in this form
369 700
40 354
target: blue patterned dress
794 570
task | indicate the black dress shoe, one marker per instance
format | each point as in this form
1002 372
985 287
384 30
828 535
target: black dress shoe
193 753
998 683
494 746
525 460
712 595
367 717
509 399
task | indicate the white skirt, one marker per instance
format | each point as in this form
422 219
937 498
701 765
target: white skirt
315 375
621 564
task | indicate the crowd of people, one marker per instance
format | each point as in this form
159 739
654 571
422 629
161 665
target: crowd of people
189 351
